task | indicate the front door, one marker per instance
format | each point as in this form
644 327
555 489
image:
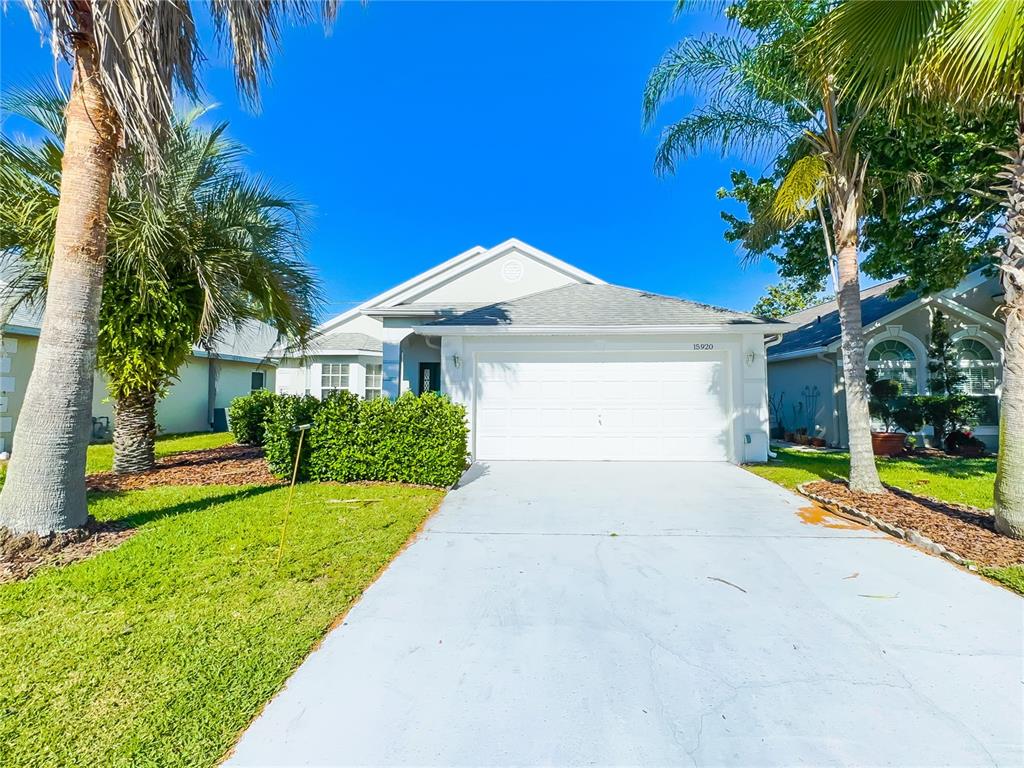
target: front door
430 378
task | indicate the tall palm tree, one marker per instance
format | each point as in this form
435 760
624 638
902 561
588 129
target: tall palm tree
761 98
969 54
207 249
127 58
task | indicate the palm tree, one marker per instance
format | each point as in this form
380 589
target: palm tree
207 249
761 99
968 54
127 60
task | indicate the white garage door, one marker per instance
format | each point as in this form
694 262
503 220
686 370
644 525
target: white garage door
602 406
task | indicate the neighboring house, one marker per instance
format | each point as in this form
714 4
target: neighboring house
208 380
551 362
805 371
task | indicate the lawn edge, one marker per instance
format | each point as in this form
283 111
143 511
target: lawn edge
340 618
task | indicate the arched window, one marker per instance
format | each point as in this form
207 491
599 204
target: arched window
979 366
895 360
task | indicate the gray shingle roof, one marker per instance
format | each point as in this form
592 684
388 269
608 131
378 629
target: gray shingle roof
818 326
600 306
341 340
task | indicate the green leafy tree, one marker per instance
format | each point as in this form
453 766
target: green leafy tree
129 61
967 55
785 298
762 94
207 249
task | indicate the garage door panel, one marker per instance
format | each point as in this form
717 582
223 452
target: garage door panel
601 406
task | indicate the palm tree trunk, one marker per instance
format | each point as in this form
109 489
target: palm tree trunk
845 211
45 487
135 433
1009 488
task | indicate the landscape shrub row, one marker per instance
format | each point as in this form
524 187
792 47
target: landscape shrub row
421 440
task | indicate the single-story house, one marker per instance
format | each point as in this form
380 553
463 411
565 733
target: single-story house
552 362
208 381
805 370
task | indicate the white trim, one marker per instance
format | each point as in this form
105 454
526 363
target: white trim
585 330
971 281
916 346
885 320
977 317
424 286
797 354
351 352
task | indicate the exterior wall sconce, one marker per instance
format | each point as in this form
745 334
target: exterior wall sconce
456 361
751 357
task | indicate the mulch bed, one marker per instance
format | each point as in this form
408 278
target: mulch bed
228 465
21 555
966 531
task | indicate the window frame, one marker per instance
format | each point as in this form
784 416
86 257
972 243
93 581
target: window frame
374 381
263 380
332 380
967 365
907 367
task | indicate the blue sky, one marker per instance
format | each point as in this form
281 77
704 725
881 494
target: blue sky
417 130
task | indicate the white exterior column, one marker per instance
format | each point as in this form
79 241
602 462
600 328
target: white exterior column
392 360
754 375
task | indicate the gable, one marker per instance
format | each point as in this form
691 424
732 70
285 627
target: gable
506 276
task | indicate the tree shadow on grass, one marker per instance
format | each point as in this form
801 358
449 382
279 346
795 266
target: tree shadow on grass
961 469
145 516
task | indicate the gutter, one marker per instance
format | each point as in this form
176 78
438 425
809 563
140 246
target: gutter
581 330
797 354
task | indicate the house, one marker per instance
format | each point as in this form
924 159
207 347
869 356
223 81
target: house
805 371
552 362
237 364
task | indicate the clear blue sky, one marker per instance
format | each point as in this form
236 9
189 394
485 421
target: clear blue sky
417 130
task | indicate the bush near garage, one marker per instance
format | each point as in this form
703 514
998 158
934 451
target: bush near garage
282 437
421 440
248 414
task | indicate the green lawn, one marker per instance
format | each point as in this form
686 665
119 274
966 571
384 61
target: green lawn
964 481
101 456
161 651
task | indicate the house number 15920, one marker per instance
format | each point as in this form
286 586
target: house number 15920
703 347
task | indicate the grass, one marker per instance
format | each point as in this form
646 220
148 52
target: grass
963 481
101 456
161 651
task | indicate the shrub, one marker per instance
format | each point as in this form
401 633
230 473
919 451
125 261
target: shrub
412 439
334 450
282 438
960 441
247 416
882 404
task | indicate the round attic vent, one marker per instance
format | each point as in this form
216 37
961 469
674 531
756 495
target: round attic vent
512 271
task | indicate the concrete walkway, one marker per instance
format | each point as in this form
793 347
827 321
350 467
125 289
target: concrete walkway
655 614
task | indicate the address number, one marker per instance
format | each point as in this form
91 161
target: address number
703 347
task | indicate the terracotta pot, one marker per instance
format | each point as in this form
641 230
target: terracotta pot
887 443
818 442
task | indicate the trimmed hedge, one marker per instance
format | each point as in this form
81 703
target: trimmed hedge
248 414
421 440
282 439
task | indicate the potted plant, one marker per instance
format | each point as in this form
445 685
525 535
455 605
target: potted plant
883 406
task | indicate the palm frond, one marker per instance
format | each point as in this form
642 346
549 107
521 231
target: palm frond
800 189
982 53
148 48
751 126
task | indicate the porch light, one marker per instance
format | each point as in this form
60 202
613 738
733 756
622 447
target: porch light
751 356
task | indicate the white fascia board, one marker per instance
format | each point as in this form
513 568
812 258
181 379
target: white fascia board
351 352
406 310
955 306
20 330
971 280
410 283
268 360
595 330
489 255
884 321
797 354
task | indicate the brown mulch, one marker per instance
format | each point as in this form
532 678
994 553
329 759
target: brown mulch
20 556
964 530
228 465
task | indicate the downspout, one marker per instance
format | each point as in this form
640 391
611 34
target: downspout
835 394
211 386
771 341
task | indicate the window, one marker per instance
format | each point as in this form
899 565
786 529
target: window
333 378
893 359
374 380
979 366
257 380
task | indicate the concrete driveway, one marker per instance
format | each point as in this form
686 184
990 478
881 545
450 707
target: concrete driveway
654 614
